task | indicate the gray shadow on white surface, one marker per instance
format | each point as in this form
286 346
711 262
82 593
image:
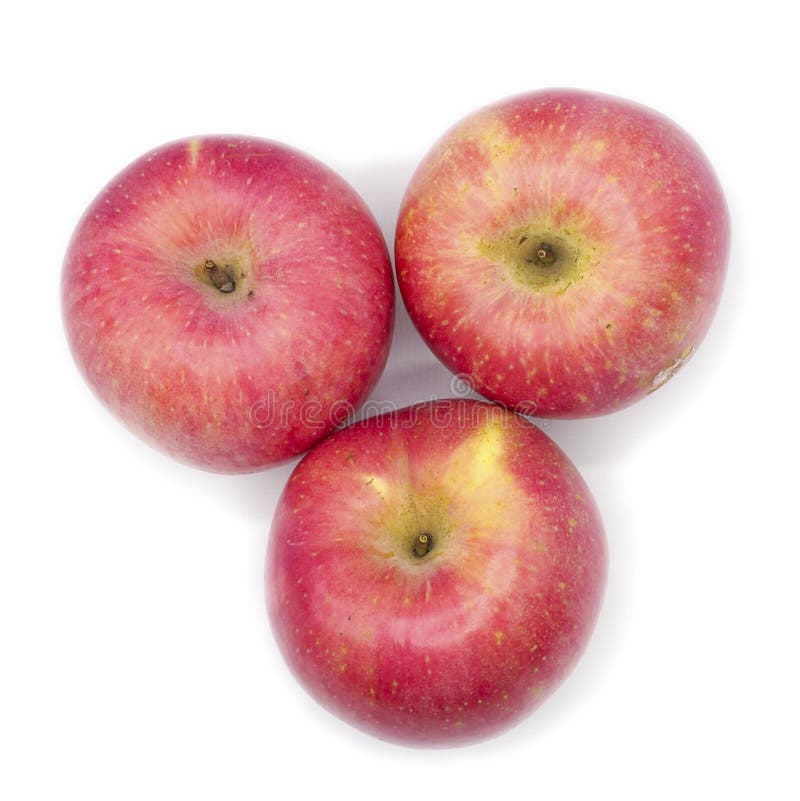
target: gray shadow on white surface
412 372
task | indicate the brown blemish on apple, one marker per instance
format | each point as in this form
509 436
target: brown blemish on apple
662 376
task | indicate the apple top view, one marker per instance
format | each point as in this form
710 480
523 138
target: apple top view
565 250
435 572
222 295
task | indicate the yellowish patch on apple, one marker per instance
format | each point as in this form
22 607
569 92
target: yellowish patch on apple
377 484
478 460
194 151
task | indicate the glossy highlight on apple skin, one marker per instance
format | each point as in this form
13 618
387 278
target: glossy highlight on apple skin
565 250
434 573
219 277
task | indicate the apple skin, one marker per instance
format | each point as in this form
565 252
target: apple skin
639 232
451 645
231 377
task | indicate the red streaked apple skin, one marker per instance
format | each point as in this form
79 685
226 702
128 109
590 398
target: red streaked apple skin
647 231
461 643
228 381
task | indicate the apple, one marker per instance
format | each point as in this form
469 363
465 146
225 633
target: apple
563 250
434 573
224 295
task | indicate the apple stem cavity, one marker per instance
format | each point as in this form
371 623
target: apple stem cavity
222 279
422 545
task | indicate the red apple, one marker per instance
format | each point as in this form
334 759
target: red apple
434 573
223 296
564 250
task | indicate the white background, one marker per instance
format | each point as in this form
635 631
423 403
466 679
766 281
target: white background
135 656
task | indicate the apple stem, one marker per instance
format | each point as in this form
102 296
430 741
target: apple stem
422 545
545 254
221 279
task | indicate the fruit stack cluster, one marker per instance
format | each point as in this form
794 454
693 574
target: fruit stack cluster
435 571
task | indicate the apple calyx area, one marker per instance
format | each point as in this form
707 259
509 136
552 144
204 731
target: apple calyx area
422 545
539 258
